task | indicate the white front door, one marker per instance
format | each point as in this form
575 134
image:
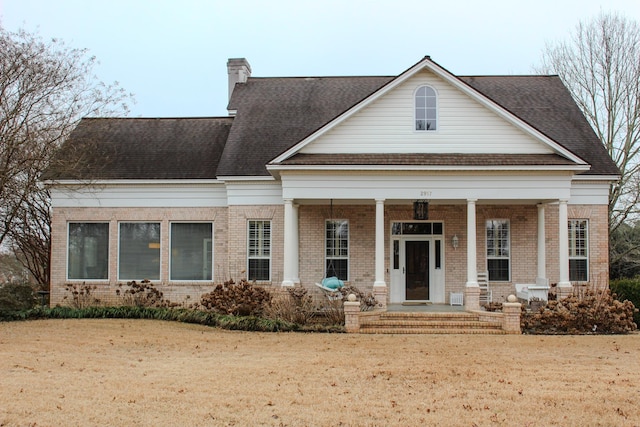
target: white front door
417 269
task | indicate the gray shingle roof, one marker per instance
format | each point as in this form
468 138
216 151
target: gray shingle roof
137 148
546 104
274 114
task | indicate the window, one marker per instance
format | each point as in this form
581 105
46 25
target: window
498 250
578 250
426 109
191 256
337 249
88 257
139 253
259 250
423 228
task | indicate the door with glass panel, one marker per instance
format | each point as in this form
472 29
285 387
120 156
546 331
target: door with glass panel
417 262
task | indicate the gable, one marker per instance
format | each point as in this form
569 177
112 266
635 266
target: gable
464 125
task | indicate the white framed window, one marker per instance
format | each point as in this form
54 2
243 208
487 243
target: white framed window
191 254
139 251
337 248
426 109
88 251
578 250
259 250
498 250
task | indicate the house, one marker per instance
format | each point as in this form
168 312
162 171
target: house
407 186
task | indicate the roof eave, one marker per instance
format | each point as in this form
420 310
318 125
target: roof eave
569 168
99 182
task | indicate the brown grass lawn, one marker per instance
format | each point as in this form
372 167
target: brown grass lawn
152 373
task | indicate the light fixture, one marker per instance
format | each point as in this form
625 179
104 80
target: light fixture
420 210
455 242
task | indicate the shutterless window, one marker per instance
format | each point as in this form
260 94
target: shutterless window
88 256
578 250
259 250
337 249
191 256
426 108
139 251
498 250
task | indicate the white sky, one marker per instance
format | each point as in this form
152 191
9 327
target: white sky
172 54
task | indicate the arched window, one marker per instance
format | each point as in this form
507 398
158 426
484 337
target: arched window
426 108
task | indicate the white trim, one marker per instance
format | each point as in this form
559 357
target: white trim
66 265
118 255
587 243
576 168
486 245
426 63
170 256
348 257
155 182
270 257
415 108
123 196
441 186
225 178
596 178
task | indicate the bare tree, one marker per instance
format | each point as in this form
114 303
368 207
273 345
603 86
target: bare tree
45 89
600 65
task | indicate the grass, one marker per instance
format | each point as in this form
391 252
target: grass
150 372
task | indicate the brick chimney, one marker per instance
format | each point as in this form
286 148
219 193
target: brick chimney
239 71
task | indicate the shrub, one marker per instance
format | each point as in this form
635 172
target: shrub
589 312
628 289
17 296
238 299
333 308
81 296
142 294
296 306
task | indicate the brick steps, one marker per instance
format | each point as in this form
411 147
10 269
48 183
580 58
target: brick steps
427 323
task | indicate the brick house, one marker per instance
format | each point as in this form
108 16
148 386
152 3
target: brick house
407 186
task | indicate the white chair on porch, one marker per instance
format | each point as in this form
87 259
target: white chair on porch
483 283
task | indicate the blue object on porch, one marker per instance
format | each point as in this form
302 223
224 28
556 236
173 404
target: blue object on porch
332 283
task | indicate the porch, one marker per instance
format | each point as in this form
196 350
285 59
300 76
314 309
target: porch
404 260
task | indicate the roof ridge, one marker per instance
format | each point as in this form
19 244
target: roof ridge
159 118
323 77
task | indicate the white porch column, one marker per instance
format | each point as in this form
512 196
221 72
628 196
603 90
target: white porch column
542 252
564 285
290 244
379 285
472 291
296 247
472 271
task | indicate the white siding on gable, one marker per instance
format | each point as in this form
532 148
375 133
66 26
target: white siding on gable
388 126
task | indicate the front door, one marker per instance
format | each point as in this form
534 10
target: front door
417 263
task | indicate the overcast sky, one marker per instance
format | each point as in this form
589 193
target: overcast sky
172 54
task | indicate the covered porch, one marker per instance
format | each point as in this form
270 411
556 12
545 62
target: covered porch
386 246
